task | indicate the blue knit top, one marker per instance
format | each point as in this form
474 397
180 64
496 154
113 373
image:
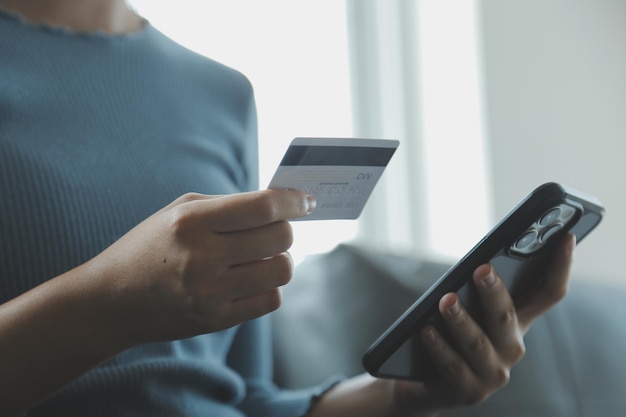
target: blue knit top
97 132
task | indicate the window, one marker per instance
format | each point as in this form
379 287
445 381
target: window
417 76
295 54
404 70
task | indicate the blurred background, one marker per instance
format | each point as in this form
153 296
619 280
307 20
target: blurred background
489 99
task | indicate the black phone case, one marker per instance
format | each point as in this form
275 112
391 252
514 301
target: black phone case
518 247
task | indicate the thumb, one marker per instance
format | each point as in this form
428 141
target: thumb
253 209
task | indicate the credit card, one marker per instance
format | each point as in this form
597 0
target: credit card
339 172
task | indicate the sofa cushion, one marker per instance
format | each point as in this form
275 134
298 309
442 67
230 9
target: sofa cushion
338 303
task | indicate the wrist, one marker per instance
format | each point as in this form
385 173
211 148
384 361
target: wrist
107 307
362 396
366 396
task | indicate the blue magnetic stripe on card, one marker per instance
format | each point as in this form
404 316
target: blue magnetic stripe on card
298 155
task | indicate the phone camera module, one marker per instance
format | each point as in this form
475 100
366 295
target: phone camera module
545 227
526 241
550 217
550 231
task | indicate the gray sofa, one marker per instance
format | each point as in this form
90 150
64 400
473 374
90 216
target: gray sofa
339 302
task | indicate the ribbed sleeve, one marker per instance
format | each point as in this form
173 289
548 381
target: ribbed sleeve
97 133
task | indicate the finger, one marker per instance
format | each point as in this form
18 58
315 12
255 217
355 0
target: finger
253 209
258 277
473 344
187 198
499 314
552 289
458 378
250 245
254 306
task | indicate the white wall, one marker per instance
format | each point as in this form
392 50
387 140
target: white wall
416 78
554 73
555 78
295 54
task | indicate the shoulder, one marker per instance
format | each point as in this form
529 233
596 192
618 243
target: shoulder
197 67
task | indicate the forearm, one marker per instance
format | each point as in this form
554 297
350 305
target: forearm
52 335
363 396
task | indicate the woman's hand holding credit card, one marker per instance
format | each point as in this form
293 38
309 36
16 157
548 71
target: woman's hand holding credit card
339 172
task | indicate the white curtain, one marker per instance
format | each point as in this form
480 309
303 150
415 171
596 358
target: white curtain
416 77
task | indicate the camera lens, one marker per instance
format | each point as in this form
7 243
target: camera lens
550 231
550 217
526 240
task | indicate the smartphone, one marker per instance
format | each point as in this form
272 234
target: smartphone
519 247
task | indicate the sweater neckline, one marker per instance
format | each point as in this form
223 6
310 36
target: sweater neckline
73 33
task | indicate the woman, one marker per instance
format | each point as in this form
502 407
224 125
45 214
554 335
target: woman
124 293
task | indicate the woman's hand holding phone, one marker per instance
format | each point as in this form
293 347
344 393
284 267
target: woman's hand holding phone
486 355
526 249
479 364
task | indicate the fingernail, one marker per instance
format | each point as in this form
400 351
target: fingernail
455 308
311 203
489 279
